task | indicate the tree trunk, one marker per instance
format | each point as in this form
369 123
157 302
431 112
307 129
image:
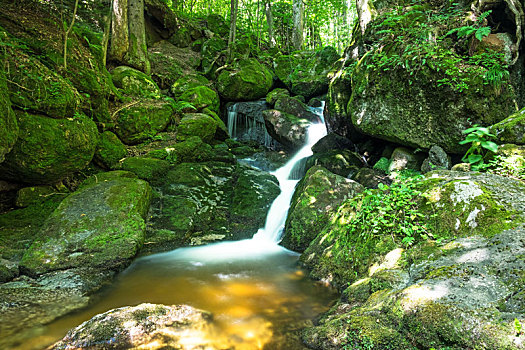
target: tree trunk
269 20
137 55
298 24
119 31
105 37
233 26
365 12
66 33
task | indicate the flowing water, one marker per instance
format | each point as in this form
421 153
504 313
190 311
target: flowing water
259 296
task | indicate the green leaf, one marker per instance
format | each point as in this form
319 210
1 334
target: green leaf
491 146
474 158
482 32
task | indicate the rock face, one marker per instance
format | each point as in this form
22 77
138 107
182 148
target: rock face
511 130
141 121
315 200
287 129
306 73
47 149
100 226
143 326
134 82
248 80
210 200
8 123
462 294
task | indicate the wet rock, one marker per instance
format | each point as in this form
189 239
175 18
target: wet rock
296 108
110 151
47 149
27 303
285 128
276 94
146 325
246 80
141 121
100 226
437 160
8 270
316 198
341 162
331 142
134 82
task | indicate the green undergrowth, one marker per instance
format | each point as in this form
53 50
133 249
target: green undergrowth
436 42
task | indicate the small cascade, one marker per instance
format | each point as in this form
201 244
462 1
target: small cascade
246 122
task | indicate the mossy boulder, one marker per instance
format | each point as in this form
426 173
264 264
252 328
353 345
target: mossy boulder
246 80
169 63
405 159
8 122
463 204
276 94
287 129
341 162
141 121
138 326
134 82
47 149
297 108
210 52
197 124
187 82
181 38
31 195
511 129
384 105
149 169
34 86
100 226
316 198
216 24
307 73
110 150
193 149
201 97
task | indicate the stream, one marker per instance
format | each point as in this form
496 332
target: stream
259 296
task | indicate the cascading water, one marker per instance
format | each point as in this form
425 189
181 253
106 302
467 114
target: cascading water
249 125
253 287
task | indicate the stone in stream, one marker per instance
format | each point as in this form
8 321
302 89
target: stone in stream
287 129
100 226
151 326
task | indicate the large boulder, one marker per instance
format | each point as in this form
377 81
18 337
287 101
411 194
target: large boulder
134 82
511 129
315 200
169 63
306 73
197 124
150 326
100 226
201 97
246 80
110 150
297 108
287 129
47 149
8 123
187 82
141 121
34 86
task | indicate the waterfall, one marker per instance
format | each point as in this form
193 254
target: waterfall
276 217
245 123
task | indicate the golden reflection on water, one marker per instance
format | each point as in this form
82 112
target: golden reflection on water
254 300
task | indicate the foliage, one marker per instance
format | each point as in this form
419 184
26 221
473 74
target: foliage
417 39
390 210
356 340
480 146
517 327
513 167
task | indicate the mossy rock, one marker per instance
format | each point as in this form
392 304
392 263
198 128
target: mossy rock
201 97
134 82
8 123
276 94
197 124
110 150
297 108
148 169
181 38
253 194
100 226
193 149
340 162
48 149
186 82
315 200
216 24
464 204
306 73
34 86
247 80
141 121
511 129
31 195
287 129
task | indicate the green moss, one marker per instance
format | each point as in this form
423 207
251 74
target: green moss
148 169
197 124
382 165
511 129
110 150
134 82
31 195
201 97
276 94
187 82
248 80
8 123
193 149
50 149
